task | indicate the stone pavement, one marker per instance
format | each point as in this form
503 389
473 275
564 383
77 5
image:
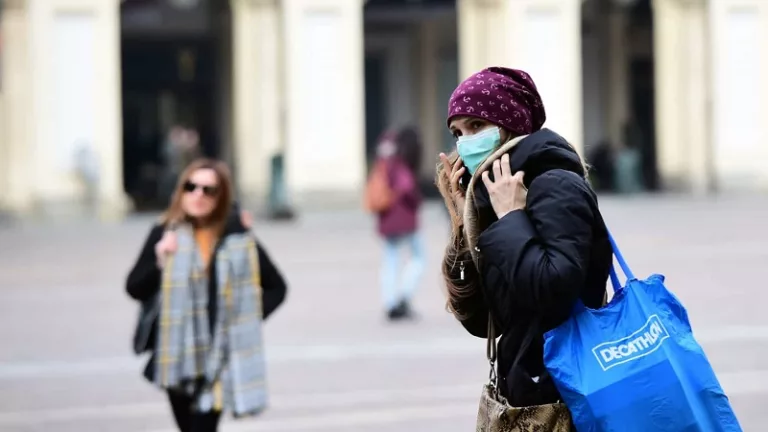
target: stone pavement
334 363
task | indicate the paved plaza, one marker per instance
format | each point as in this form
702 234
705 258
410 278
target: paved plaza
335 364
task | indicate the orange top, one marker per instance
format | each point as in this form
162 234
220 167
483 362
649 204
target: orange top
205 239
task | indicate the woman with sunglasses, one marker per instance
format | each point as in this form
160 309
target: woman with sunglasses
213 285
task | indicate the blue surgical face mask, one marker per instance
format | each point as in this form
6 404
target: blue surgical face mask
474 149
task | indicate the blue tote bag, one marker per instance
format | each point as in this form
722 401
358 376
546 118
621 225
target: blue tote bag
634 365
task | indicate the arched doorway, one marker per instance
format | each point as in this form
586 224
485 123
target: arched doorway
619 94
175 62
411 68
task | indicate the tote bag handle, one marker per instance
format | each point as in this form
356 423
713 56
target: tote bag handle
622 264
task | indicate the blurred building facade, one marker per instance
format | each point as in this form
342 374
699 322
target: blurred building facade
317 81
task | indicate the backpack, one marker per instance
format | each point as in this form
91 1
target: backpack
378 194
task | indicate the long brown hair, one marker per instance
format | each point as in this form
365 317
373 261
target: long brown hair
456 258
175 213
460 274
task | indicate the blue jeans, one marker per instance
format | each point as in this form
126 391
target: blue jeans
394 288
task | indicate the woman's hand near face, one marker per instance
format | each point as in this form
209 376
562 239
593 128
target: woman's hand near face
166 246
454 173
506 191
246 218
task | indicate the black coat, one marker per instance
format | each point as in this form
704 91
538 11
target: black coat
536 263
144 279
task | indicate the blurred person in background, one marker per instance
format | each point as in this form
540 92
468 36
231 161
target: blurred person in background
393 195
210 285
602 160
628 175
181 147
528 239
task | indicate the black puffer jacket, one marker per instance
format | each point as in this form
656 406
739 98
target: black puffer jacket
536 263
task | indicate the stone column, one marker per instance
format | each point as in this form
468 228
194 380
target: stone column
257 94
325 151
4 151
16 112
113 201
540 37
739 112
64 73
481 39
431 119
544 39
617 84
683 122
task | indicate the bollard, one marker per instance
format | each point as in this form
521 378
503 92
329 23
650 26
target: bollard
88 171
628 171
279 207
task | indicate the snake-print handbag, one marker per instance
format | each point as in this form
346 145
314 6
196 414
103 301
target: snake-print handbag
497 415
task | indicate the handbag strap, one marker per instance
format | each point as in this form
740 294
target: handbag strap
491 348
490 353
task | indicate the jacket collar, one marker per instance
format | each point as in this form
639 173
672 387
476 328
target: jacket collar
471 228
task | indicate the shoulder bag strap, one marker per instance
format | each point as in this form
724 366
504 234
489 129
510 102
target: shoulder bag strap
491 349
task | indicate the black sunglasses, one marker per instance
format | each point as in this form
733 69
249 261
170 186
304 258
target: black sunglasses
210 191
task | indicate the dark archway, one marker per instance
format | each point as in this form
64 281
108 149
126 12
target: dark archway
407 81
174 71
619 96
642 92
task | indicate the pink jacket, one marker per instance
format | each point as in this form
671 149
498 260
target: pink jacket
402 217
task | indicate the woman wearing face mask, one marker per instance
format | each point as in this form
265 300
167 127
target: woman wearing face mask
213 286
527 236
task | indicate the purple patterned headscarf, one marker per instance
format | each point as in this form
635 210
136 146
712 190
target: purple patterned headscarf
505 97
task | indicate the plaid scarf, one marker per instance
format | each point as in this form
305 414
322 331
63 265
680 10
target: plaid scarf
230 360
